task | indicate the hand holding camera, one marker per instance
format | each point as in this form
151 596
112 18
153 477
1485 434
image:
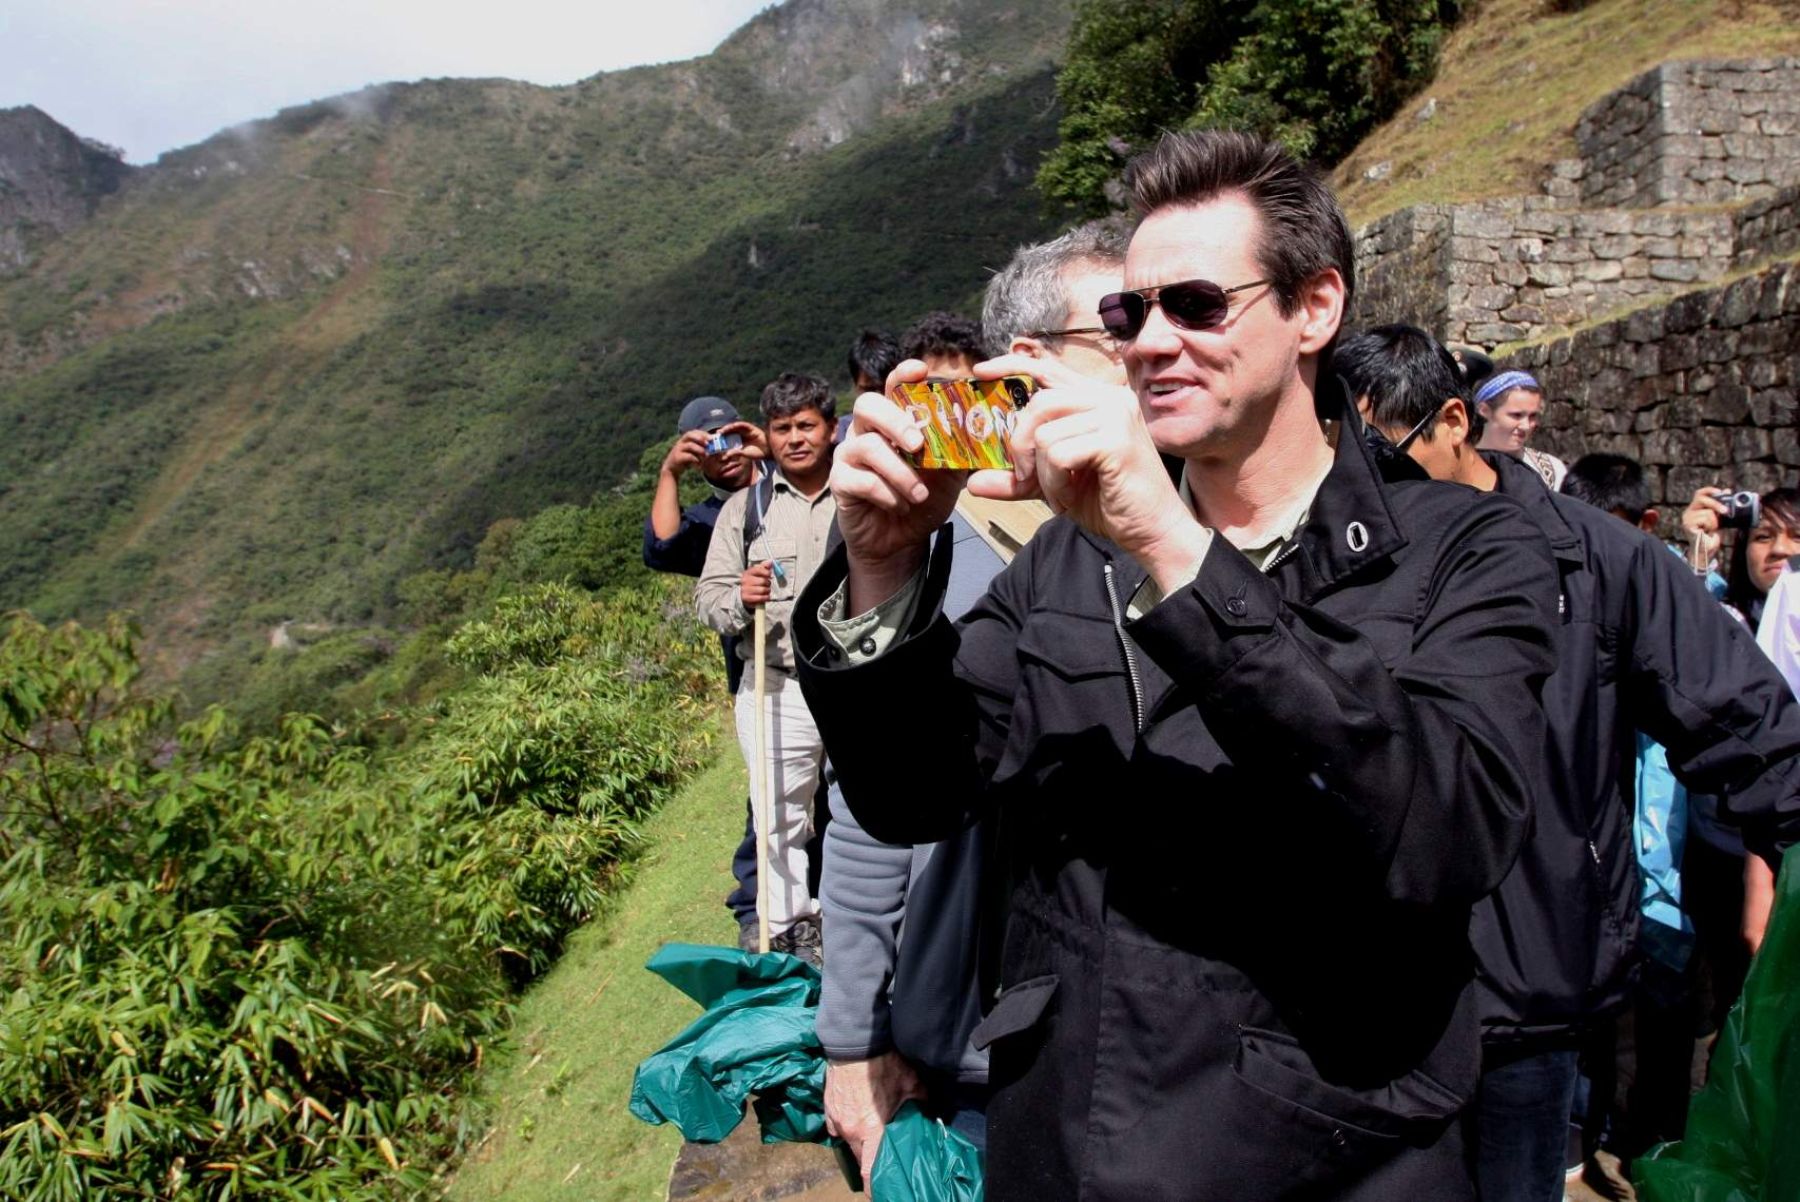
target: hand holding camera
1714 509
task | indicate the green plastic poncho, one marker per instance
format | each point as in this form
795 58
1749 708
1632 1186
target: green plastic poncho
755 1040
1743 1132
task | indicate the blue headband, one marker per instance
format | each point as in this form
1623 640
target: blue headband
1505 382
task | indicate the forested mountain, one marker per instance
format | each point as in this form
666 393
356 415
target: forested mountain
276 373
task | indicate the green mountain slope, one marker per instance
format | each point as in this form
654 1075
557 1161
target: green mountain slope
285 368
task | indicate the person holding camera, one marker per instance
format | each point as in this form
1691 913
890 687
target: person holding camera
1769 535
1251 731
1640 648
727 452
768 541
900 996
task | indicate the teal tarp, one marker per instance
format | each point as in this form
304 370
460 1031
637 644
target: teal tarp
754 1039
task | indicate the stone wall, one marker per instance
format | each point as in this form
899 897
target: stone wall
1692 133
1701 390
1512 270
1768 229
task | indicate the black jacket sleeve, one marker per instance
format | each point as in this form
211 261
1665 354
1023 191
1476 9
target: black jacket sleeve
1696 682
914 767
1422 761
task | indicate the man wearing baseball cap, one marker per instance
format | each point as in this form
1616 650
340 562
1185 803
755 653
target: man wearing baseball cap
675 540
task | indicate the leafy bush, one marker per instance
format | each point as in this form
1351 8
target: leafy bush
266 967
1315 75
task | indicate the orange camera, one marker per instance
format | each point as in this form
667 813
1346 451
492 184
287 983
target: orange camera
966 423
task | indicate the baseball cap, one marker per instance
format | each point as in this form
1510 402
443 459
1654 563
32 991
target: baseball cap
706 413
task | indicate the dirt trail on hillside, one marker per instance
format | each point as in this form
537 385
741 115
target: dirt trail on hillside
219 428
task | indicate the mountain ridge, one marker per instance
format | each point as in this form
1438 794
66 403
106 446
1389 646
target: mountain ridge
290 365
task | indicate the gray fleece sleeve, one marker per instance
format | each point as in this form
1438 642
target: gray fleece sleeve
863 895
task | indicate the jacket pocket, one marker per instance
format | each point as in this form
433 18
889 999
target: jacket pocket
1275 1064
1018 1009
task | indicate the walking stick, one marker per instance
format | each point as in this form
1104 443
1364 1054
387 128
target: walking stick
761 792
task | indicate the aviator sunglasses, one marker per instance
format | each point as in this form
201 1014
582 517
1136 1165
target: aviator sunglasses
1191 305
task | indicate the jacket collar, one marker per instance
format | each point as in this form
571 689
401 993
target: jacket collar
1526 487
1349 526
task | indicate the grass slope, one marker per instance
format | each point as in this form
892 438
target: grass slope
1514 77
560 1126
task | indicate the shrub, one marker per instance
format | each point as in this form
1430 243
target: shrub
268 966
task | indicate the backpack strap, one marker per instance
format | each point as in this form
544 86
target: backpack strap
761 493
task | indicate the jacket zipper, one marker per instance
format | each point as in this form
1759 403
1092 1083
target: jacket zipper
1131 672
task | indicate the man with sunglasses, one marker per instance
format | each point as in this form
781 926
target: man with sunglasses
1640 647
1250 732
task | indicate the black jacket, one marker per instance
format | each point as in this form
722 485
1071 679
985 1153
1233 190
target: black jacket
1641 645
1242 834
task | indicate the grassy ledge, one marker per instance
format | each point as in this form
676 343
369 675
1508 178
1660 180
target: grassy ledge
560 1129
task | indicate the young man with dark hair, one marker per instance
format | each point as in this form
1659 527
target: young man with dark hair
1252 735
1640 647
1613 484
951 345
762 557
872 356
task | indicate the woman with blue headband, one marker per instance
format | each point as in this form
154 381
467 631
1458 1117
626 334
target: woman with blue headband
1510 405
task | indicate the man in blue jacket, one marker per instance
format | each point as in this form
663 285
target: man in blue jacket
1640 647
675 540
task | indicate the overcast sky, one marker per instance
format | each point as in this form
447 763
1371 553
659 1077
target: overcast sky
152 75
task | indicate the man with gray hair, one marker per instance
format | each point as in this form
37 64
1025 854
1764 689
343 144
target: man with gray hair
898 1007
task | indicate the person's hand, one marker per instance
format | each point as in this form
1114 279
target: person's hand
687 452
756 439
886 507
1084 448
861 1097
757 584
1701 520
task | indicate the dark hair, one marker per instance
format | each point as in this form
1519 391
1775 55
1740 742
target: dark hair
942 335
872 356
792 391
1403 371
1609 482
1304 231
1741 593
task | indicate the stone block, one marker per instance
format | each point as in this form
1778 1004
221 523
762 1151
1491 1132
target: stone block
1700 381
1757 476
1728 403
1470 221
1747 171
1549 275
1529 315
1764 373
1491 296
1681 481
1473 250
1493 333
1774 410
1718 121
1567 252
1778 124
1662 248
1513 275
1679 352
1716 346
1746 146
1645 326
1748 442
1600 272
1738 304
1675 270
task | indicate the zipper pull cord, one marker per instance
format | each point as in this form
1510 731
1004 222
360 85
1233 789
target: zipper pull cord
1131 672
